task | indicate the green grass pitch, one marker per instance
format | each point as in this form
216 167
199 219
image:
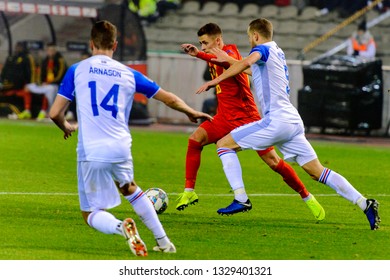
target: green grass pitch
40 218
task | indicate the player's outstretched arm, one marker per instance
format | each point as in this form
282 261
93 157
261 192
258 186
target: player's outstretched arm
57 114
190 49
221 56
233 70
178 104
206 86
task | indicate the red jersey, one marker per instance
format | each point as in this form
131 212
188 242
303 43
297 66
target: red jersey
235 99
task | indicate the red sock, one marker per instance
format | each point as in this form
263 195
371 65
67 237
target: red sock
45 103
194 151
291 178
27 98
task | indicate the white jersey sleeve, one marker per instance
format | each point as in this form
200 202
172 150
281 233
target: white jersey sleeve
104 91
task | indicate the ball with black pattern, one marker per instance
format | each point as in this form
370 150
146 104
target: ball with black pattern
159 199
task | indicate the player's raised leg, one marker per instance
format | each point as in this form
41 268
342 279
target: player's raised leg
107 223
341 185
145 210
94 197
137 246
290 177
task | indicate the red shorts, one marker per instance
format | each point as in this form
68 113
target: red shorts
219 127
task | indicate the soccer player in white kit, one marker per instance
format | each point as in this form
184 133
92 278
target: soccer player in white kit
281 124
104 89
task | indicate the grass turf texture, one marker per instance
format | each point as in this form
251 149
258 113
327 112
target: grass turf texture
40 219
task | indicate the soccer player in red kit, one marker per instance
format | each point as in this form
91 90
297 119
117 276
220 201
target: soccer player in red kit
236 107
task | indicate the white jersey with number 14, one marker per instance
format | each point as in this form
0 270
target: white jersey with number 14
104 90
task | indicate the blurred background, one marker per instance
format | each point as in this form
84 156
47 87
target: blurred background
335 91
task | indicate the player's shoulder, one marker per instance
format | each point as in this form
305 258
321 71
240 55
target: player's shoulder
230 47
232 50
72 68
263 48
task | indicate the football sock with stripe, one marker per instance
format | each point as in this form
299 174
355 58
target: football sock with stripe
193 159
232 168
104 222
145 210
341 186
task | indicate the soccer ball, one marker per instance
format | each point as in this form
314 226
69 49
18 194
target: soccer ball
159 199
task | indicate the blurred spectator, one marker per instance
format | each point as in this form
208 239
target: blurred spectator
382 7
165 5
53 69
362 43
18 71
145 9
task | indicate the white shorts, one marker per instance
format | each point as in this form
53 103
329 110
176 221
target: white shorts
49 90
289 138
96 186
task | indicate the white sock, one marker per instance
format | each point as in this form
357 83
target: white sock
341 186
362 203
145 210
232 168
163 242
307 197
188 190
240 194
105 222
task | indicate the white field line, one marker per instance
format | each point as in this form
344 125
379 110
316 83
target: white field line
225 194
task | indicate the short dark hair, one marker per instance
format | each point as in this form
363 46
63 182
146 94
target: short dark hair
103 35
263 27
209 29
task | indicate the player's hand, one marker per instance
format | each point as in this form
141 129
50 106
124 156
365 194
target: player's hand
205 87
190 49
199 115
221 55
69 129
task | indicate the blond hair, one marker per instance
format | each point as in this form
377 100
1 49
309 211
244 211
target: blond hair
263 27
103 35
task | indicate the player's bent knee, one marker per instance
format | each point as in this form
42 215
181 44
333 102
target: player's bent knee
270 157
314 169
128 188
228 142
200 136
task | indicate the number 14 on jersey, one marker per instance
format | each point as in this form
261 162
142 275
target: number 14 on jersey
109 102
